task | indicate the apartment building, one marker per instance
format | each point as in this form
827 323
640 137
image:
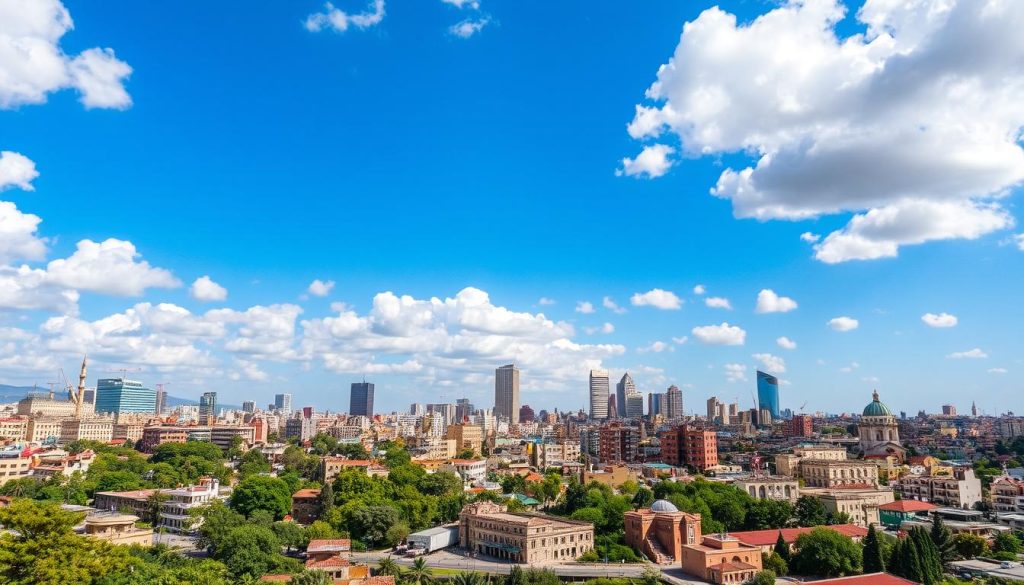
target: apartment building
962 489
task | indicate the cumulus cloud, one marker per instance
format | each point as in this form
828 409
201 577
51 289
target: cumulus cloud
468 27
108 267
912 125
785 343
1019 239
28 288
585 307
652 162
680 340
723 334
460 4
939 321
545 301
769 302
771 363
320 288
339 21
718 303
205 289
735 372
971 354
655 347
612 306
699 289
18 237
998 370
843 324
809 237
849 368
16 170
33 64
657 298
606 329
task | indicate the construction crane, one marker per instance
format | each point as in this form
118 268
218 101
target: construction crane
802 406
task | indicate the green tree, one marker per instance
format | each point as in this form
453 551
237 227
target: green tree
249 550
419 573
650 576
782 548
1006 542
810 511
516 576
262 493
825 552
774 563
217 521
290 534
763 578
643 498
326 499
311 578
321 529
371 523
469 578
388 567
396 533
942 537
968 546
440 484
873 559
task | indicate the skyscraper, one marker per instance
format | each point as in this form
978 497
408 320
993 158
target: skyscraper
248 406
768 393
655 403
117 395
283 403
713 408
207 407
622 389
634 404
599 387
673 403
161 400
361 399
506 393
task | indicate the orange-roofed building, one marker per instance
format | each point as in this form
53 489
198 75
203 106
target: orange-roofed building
893 514
766 539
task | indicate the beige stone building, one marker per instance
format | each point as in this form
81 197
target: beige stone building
961 489
489 529
770 488
41 429
861 504
14 467
13 428
830 474
788 463
117 528
86 429
466 437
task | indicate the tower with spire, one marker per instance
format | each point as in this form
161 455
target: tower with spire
79 397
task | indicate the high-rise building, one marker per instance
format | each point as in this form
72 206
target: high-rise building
685 445
673 403
618 443
506 393
118 395
713 408
599 386
207 407
801 425
634 404
768 393
948 410
161 401
622 390
361 399
463 408
655 403
283 403
526 414
248 406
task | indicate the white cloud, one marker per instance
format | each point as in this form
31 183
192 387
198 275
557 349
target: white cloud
658 298
108 267
460 4
998 370
320 288
546 301
33 64
809 237
735 372
771 363
913 125
612 306
18 239
205 289
680 340
699 289
585 307
652 162
16 170
606 329
340 21
769 302
971 354
723 334
785 343
655 347
718 303
468 27
1019 238
850 368
941 320
843 324
29 289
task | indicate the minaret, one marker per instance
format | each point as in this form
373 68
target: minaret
80 398
974 409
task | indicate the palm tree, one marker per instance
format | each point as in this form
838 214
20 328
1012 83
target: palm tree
311 578
419 573
469 578
388 567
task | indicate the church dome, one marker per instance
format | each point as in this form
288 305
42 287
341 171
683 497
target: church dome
876 407
663 506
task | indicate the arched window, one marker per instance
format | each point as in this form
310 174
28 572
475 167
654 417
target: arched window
878 435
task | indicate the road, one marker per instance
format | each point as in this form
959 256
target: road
457 560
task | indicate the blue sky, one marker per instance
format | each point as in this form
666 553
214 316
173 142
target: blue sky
401 157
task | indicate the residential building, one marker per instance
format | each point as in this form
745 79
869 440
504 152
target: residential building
618 443
86 429
361 399
526 414
470 470
768 393
487 528
1007 494
13 428
860 504
129 431
766 539
223 435
801 425
154 436
673 403
45 405
14 465
624 387
208 408
655 404
248 406
306 505
43 430
684 445
175 510
962 489
789 463
894 514
330 467
545 455
599 389
119 395
467 436
283 404
506 393
117 528
828 474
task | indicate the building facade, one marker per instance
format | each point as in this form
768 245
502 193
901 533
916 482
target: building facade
878 433
684 445
768 393
506 393
118 395
283 403
599 387
962 489
625 387
489 529
618 443
673 403
361 399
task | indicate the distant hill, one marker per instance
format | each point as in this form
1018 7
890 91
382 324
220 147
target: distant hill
10 393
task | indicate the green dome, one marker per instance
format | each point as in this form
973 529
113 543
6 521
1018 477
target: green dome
876 407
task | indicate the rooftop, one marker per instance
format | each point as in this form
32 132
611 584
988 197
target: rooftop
768 537
907 506
869 579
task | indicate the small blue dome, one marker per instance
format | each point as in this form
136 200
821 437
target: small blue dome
876 407
663 506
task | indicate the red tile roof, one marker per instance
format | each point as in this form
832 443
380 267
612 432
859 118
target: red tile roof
328 563
768 537
306 493
329 545
869 579
379 580
907 506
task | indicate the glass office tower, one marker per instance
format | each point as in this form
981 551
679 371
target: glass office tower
768 393
117 395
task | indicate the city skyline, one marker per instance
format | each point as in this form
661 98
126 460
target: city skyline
911 292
